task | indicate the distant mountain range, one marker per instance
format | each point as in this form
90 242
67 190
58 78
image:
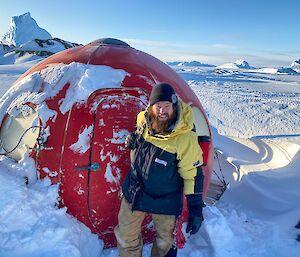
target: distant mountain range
296 65
189 64
26 41
238 64
242 65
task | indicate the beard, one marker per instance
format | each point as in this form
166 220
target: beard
159 126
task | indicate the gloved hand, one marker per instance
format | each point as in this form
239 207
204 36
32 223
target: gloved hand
195 206
194 224
131 141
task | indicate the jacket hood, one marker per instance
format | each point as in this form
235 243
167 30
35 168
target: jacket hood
184 123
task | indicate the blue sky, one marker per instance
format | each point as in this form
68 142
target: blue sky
262 32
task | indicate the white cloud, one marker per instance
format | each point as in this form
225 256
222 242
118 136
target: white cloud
217 53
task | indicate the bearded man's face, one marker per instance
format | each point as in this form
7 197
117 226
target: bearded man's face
162 115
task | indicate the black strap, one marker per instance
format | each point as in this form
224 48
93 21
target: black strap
203 139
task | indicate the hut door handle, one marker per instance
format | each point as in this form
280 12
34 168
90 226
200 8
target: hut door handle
94 166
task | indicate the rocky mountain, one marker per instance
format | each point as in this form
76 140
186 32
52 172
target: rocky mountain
25 40
22 29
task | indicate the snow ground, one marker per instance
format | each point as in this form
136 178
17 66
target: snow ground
10 73
267 105
255 120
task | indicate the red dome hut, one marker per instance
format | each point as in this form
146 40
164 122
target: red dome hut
77 135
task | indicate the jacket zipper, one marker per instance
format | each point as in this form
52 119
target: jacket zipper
134 164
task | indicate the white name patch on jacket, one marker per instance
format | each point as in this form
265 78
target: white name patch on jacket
161 161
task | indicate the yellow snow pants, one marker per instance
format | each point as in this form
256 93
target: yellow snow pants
128 232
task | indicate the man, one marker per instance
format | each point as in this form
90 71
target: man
166 162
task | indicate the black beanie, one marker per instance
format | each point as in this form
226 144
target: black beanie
162 92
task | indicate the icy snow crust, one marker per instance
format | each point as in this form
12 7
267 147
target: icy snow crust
256 128
83 78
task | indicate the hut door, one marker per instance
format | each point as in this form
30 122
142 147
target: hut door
115 118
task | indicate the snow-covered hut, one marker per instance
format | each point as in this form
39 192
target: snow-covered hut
72 113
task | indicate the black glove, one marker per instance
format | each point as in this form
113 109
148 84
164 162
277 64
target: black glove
131 141
195 206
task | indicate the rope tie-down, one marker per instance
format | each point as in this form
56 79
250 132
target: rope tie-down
217 187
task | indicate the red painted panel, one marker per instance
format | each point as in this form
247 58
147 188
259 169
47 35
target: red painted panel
48 160
75 156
